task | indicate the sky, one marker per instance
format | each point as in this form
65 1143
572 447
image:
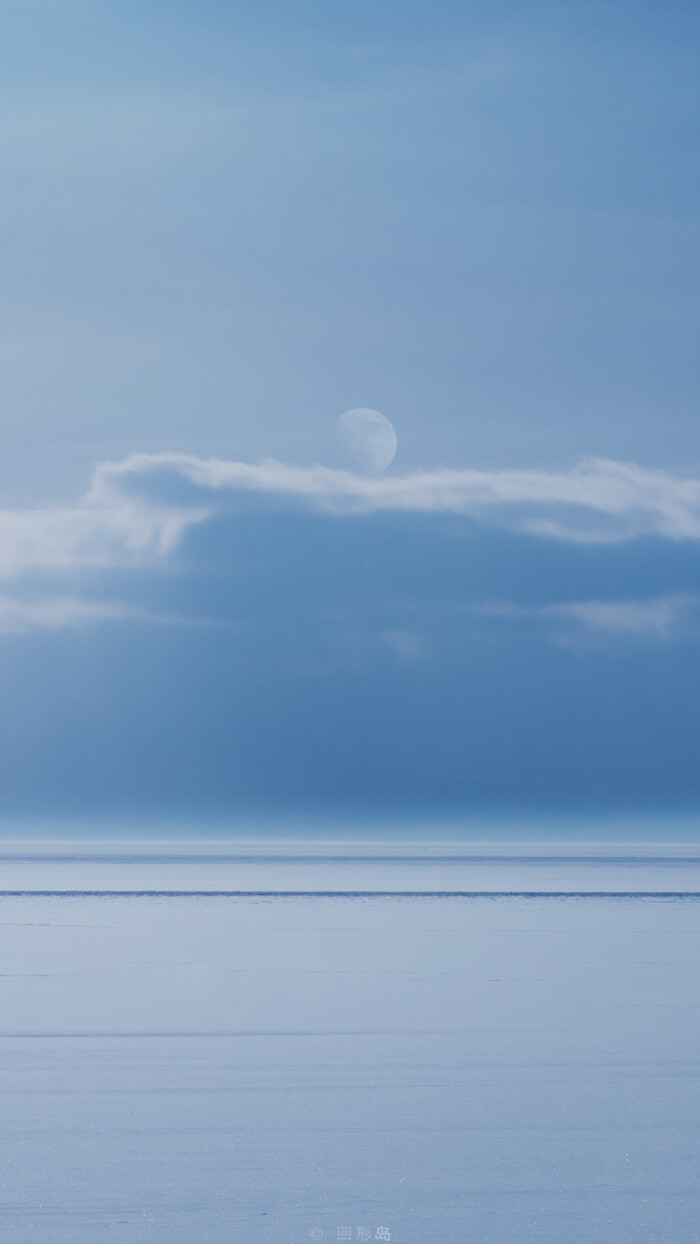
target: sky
222 227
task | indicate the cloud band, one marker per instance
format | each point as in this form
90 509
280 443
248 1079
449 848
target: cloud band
124 520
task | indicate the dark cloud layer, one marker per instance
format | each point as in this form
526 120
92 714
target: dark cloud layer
386 665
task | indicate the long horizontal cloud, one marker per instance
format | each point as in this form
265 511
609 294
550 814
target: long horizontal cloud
20 617
123 519
659 618
597 500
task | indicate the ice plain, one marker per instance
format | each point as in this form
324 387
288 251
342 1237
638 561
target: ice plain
243 1042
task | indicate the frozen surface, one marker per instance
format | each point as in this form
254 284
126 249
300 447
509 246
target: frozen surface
209 1044
300 868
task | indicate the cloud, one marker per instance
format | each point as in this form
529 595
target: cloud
596 501
137 511
656 618
407 645
109 527
20 617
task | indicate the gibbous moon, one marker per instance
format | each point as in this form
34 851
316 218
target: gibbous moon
368 438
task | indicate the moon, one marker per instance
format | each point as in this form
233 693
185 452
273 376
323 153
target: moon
368 437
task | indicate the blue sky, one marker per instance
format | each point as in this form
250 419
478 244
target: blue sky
224 226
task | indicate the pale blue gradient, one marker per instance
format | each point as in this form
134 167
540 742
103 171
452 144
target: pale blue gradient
226 225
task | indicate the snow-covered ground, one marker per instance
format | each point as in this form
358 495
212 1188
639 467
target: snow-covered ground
225 1044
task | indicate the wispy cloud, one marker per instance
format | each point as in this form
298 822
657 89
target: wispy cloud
658 617
20 617
407 645
138 510
109 527
655 618
596 501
